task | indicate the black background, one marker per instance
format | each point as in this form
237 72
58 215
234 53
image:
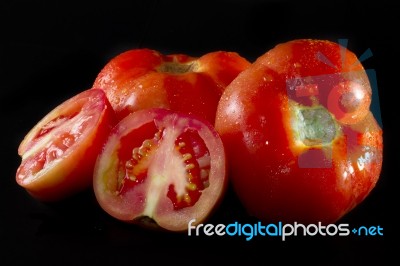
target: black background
50 51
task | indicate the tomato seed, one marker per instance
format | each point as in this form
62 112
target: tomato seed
190 166
187 198
187 156
181 144
147 143
129 165
191 186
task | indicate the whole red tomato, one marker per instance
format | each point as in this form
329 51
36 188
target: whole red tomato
161 168
143 78
301 142
59 152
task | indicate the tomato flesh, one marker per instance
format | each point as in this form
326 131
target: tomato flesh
163 165
194 155
59 153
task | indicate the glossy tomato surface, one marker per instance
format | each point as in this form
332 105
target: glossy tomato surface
161 168
301 142
59 152
143 78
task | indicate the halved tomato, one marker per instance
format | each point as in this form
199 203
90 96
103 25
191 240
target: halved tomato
59 153
161 167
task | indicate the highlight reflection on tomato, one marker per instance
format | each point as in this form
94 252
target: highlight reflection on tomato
301 142
161 168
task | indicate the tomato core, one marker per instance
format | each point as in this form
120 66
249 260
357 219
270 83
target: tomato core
315 126
178 68
196 157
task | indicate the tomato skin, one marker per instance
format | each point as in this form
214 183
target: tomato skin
143 78
277 175
149 199
77 129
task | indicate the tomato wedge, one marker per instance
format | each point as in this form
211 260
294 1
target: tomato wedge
161 168
59 153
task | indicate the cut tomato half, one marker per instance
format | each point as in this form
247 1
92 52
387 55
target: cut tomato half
161 166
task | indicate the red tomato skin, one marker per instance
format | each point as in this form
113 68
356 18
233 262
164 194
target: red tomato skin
254 120
74 172
144 78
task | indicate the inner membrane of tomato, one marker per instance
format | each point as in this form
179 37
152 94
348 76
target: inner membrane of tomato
51 142
164 157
